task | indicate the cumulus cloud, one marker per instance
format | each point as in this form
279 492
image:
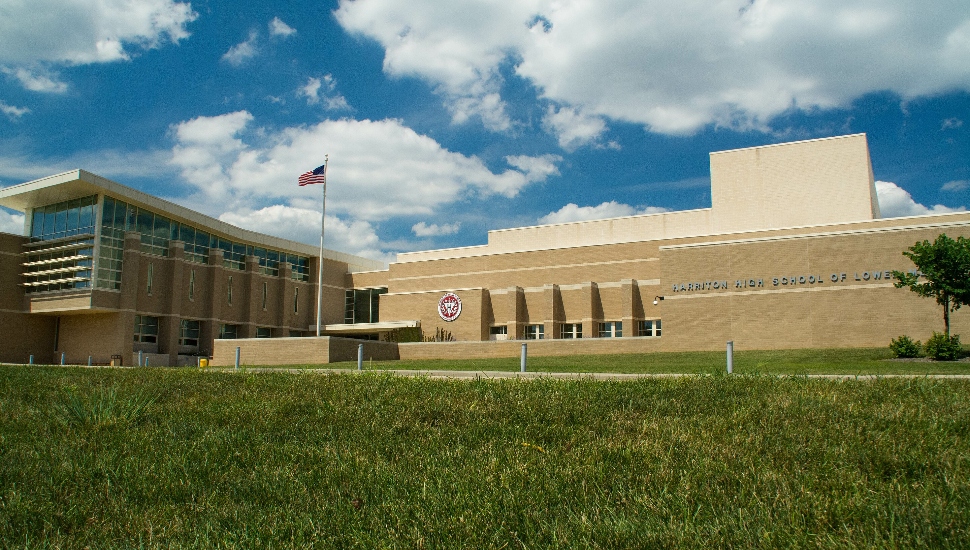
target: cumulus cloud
85 31
573 128
672 67
303 225
278 28
894 202
378 169
12 112
243 51
324 90
612 209
422 229
11 222
951 123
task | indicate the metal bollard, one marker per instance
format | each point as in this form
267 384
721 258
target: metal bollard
360 356
31 359
140 363
146 361
522 360
237 358
89 360
62 358
730 356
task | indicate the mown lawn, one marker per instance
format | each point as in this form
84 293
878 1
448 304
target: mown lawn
161 458
802 361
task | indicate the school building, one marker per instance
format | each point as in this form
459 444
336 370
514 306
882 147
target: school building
792 253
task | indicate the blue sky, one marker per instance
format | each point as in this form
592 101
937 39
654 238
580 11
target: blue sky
444 120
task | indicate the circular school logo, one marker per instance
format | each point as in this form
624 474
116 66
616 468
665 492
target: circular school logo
449 307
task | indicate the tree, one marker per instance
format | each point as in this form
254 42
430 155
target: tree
944 269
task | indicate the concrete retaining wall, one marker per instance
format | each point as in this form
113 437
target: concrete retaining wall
298 351
537 348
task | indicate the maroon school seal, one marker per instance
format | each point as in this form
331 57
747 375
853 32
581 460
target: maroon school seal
449 307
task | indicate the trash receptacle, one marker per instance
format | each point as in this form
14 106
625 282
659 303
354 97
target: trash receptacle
115 360
203 362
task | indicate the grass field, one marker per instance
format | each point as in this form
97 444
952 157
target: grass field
807 361
177 457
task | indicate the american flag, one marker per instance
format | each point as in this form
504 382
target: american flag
317 175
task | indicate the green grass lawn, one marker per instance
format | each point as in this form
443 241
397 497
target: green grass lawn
804 361
176 457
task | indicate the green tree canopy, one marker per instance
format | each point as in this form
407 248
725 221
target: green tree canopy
943 273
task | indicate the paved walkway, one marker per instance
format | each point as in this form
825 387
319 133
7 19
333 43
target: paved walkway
473 374
466 375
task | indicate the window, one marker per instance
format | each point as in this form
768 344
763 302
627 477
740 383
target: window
264 295
228 332
189 332
650 327
192 285
534 332
146 329
229 290
572 330
151 276
264 332
612 329
296 300
500 332
296 334
362 305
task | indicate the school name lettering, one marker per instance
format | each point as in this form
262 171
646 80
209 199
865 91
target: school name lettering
787 281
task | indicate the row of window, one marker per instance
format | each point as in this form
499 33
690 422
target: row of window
158 231
610 329
146 331
64 219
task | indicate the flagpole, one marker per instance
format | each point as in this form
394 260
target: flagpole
323 217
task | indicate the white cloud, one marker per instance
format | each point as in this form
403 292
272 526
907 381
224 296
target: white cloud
11 222
323 89
422 229
894 202
378 169
36 79
13 112
573 128
673 67
278 28
951 123
574 213
238 54
956 185
303 225
77 32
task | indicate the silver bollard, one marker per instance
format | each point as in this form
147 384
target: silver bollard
360 357
730 356
140 363
62 357
237 358
146 361
31 359
522 360
89 360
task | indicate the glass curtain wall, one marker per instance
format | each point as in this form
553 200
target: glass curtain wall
362 305
158 231
61 249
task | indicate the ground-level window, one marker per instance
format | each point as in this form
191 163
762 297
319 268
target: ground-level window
264 332
572 330
146 329
535 332
189 330
611 329
296 334
500 332
228 332
650 327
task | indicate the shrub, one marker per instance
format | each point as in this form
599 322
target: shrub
941 348
905 347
